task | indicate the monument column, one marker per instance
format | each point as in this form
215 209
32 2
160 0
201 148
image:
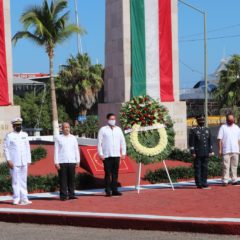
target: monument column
118 61
117 77
7 113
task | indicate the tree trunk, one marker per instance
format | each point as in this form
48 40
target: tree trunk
53 99
83 112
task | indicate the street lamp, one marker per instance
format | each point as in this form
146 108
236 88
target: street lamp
79 42
205 58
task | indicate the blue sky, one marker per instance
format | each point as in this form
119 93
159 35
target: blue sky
28 57
221 14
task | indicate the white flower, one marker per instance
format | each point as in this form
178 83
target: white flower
162 144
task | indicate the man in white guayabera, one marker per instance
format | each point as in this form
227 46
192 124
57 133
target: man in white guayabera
18 155
111 147
228 146
66 159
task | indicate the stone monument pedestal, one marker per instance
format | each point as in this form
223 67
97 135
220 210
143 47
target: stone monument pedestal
177 111
6 115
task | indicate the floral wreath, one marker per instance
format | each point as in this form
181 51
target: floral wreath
148 129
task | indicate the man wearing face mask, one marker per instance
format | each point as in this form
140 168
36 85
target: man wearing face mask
200 142
111 147
18 155
228 147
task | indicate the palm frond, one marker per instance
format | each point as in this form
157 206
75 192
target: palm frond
67 32
61 22
35 18
44 23
57 7
26 34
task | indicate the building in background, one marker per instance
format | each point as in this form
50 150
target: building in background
29 82
195 96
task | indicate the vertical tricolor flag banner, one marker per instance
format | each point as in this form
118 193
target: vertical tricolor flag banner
4 97
151 49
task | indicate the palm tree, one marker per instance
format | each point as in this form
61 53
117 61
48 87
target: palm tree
49 26
80 82
227 93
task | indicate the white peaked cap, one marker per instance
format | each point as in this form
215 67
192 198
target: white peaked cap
17 120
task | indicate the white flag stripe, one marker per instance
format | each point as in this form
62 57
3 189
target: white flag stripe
152 48
175 50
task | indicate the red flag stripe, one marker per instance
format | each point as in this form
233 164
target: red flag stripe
165 50
4 97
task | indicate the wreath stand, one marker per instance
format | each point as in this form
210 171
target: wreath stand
138 182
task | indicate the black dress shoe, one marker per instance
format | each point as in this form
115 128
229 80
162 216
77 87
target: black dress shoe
235 183
108 194
116 194
73 197
199 187
63 199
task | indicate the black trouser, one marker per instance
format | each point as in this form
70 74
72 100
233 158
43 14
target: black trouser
201 170
111 166
67 179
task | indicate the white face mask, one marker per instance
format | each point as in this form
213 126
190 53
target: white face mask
112 122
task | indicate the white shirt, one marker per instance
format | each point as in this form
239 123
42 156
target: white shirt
66 149
111 142
230 136
17 148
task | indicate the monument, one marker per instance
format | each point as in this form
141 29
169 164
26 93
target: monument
7 110
141 57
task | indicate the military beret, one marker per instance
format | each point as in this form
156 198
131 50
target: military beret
199 117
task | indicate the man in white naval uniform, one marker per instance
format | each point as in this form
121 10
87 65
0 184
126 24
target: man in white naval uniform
18 155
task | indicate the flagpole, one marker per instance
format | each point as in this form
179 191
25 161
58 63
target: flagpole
205 57
79 41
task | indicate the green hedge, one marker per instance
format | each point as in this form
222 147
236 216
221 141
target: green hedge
181 155
49 183
38 154
4 171
175 173
5 184
178 173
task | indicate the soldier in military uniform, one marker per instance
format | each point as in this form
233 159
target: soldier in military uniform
200 142
18 155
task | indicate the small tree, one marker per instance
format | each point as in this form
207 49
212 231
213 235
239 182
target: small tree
80 82
34 110
227 92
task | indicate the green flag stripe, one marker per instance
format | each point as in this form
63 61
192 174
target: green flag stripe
138 82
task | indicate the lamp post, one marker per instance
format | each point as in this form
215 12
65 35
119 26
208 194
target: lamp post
79 42
205 58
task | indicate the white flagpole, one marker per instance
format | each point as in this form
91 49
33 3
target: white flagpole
170 180
79 41
138 184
